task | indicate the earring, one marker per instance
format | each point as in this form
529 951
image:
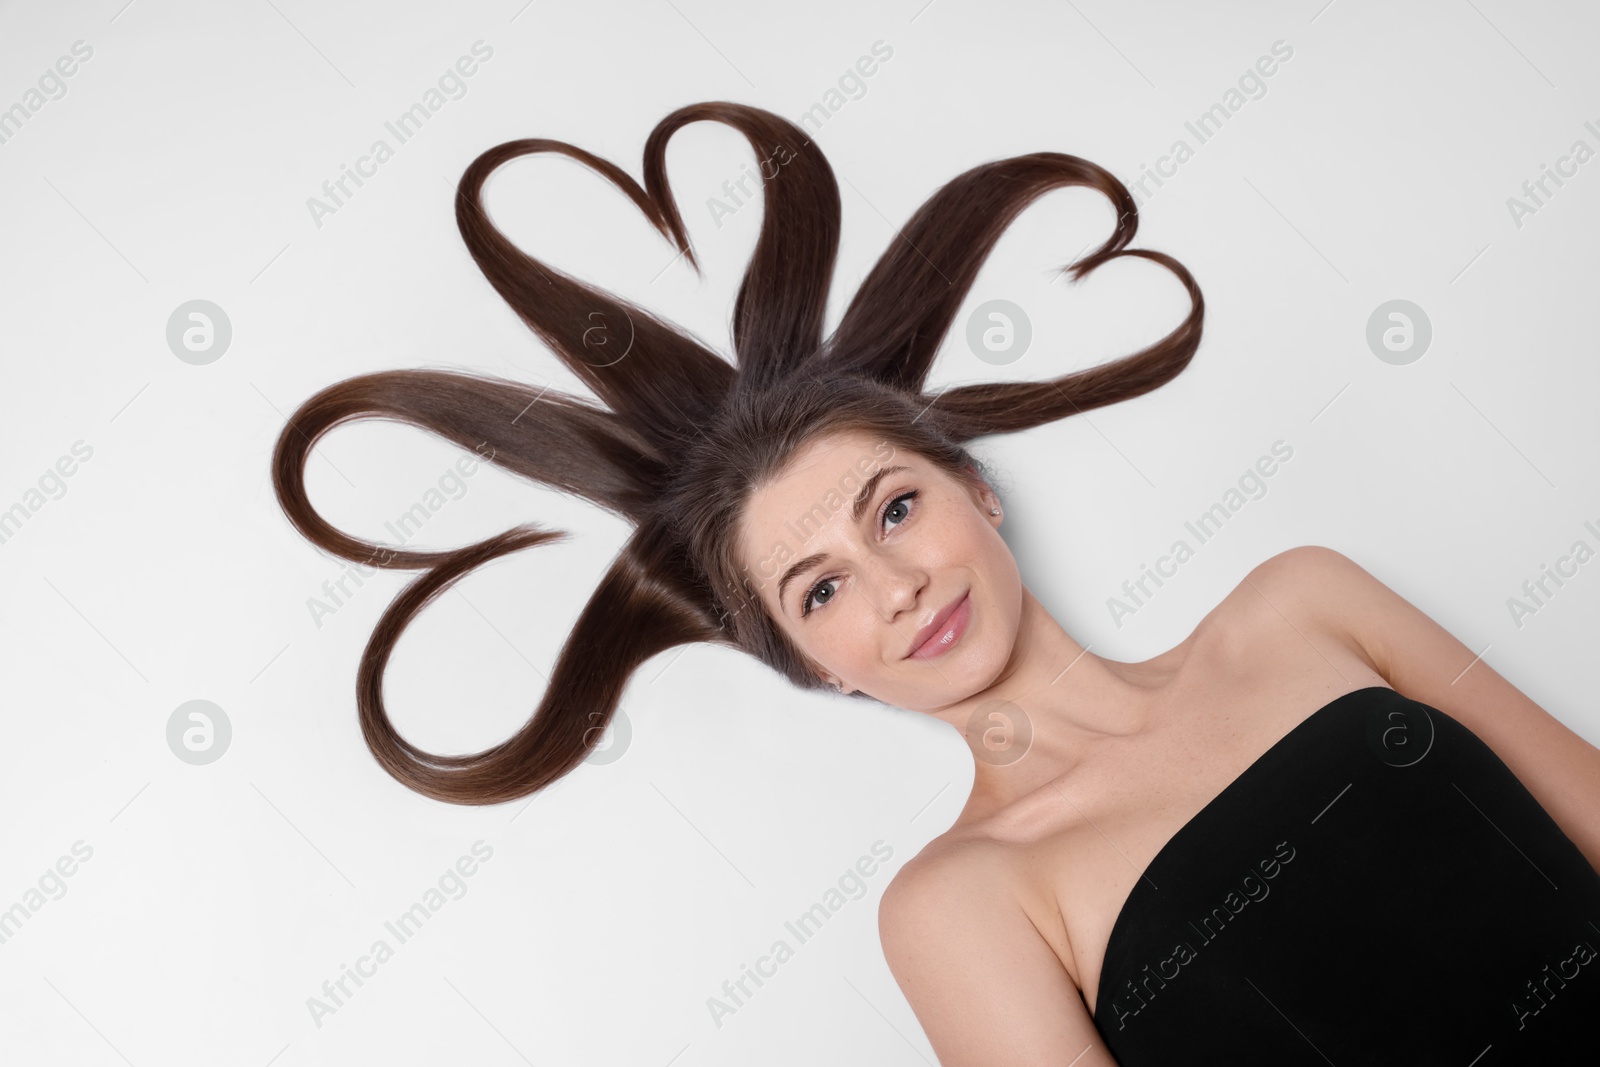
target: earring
994 511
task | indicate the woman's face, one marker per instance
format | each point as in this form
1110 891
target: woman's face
857 547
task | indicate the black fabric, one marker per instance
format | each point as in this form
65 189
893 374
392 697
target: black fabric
1377 888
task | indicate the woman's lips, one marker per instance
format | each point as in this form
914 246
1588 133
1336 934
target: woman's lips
947 633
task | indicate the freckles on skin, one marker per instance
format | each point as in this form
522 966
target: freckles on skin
889 572
809 510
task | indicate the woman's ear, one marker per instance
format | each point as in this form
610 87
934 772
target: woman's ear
988 500
828 678
982 494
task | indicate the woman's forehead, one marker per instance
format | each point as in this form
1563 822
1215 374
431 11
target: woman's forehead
829 486
819 476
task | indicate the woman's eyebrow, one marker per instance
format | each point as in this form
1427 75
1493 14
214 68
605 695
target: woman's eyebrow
869 487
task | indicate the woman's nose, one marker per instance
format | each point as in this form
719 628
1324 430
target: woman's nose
891 587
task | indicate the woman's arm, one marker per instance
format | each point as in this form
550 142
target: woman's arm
1421 660
986 987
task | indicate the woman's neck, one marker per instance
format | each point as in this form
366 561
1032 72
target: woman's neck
1053 702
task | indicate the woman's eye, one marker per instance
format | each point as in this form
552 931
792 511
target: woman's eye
811 595
898 506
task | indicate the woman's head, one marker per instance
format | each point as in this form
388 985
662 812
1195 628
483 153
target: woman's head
829 595
734 471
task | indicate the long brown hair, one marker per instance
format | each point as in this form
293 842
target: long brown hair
684 435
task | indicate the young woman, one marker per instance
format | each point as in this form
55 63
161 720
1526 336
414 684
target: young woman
1317 830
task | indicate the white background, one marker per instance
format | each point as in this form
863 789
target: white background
1377 165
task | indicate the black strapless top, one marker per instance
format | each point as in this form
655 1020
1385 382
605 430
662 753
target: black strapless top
1377 888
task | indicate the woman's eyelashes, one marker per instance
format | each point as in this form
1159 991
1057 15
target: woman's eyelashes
807 600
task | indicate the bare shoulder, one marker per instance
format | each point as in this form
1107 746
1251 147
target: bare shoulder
1305 577
1339 596
949 871
983 981
1301 563
1317 590
1421 659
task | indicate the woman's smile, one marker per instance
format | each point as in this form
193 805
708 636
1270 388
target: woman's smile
944 631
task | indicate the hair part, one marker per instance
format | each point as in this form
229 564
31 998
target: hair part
683 437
